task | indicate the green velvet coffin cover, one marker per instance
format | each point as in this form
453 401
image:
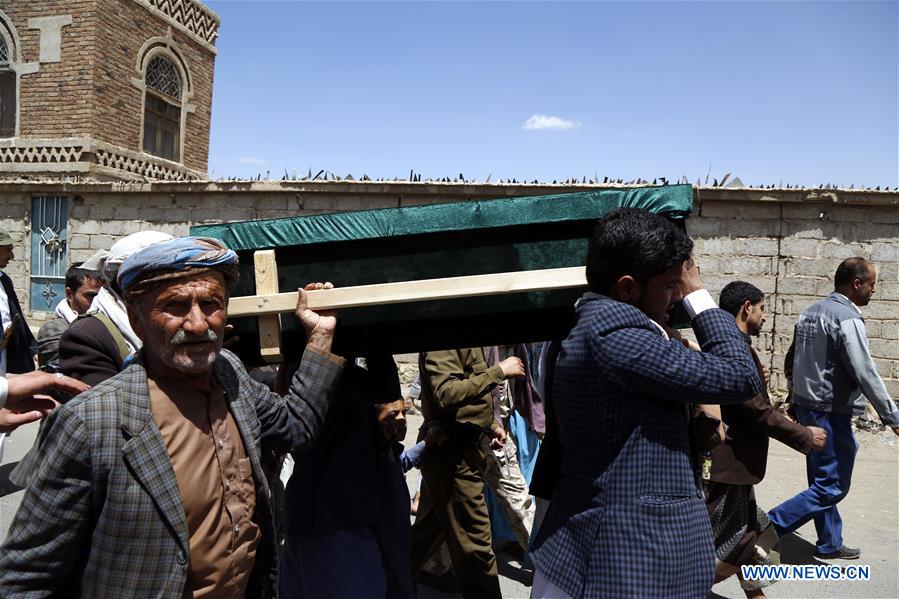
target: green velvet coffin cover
434 241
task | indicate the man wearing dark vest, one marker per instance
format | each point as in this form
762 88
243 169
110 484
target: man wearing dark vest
18 347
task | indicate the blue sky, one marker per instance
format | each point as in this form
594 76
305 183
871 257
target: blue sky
793 92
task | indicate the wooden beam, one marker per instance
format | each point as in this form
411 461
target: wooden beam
412 291
266 271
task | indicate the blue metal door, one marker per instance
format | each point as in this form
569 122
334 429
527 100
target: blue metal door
49 251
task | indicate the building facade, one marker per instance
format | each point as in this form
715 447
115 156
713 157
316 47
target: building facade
106 89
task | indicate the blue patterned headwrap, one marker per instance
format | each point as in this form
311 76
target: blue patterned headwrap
180 257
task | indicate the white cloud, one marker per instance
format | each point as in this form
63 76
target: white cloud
540 122
250 161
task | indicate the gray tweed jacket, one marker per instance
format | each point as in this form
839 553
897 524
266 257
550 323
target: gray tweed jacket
103 515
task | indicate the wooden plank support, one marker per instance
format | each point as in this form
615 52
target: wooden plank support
266 271
408 291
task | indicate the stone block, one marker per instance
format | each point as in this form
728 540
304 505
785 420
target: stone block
884 348
892 386
881 309
874 328
791 246
888 271
886 252
798 286
79 242
889 330
760 247
102 212
744 266
884 367
804 211
811 267
318 202
842 251
715 246
278 202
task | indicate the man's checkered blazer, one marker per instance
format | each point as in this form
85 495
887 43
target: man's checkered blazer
103 516
627 518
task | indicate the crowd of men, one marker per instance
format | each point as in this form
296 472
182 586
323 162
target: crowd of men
159 464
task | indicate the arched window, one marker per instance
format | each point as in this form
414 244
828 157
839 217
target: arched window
7 91
162 109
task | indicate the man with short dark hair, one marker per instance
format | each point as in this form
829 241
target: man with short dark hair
94 348
627 518
742 536
82 286
151 483
831 366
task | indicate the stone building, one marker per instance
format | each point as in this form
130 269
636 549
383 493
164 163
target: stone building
106 89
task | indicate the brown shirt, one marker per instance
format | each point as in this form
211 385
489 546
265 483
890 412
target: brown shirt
215 479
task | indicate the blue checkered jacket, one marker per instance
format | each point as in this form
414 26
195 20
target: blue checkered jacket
627 518
103 515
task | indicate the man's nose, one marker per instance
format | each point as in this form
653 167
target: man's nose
195 321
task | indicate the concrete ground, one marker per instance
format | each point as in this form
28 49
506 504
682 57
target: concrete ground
870 520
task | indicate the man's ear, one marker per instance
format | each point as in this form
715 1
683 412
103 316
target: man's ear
746 308
627 289
69 294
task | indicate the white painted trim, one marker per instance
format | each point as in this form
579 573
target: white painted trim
50 36
13 45
181 27
165 46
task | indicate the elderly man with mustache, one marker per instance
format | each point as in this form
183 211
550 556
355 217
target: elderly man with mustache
150 484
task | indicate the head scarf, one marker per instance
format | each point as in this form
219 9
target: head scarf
180 257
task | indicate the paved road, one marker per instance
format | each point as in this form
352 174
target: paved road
870 517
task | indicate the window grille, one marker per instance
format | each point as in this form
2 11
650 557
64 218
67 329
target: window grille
4 52
163 77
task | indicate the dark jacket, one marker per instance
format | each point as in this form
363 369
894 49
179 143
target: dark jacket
344 480
88 351
742 458
22 347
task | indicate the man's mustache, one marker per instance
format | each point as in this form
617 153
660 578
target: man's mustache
181 337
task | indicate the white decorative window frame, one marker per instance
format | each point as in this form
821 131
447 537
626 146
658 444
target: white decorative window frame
166 47
14 46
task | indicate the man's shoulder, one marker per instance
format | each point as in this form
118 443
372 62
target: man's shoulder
87 326
608 315
102 402
832 307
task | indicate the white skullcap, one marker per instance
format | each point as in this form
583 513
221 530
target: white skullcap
128 245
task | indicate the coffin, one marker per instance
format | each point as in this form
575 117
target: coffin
519 237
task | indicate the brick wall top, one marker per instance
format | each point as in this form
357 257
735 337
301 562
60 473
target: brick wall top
861 197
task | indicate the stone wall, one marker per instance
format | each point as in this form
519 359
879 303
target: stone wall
791 252
787 242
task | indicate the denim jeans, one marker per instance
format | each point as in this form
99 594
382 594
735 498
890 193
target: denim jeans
829 475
